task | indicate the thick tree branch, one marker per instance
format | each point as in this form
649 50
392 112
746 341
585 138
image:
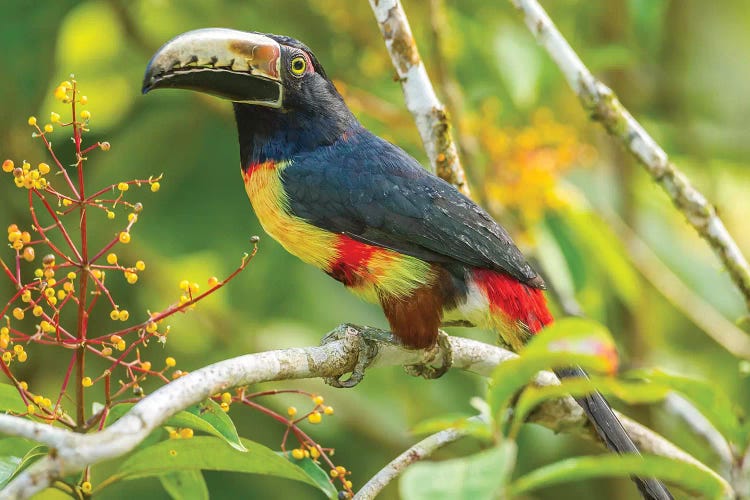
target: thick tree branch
419 95
72 451
604 107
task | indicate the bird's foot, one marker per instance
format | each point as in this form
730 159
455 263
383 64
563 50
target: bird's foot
440 351
361 339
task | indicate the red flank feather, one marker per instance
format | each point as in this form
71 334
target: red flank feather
517 301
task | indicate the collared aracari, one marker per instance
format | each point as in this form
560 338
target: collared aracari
361 209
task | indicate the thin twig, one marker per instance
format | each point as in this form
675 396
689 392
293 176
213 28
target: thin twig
419 451
74 451
604 107
419 95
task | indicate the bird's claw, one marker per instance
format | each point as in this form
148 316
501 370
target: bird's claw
441 350
366 348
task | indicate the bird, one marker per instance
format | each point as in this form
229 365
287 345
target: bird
360 208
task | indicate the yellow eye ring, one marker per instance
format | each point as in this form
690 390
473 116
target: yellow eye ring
298 65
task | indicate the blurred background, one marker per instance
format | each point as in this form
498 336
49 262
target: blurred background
606 235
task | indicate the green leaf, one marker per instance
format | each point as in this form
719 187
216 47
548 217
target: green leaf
316 473
568 342
629 392
575 469
10 399
708 398
473 426
208 453
476 477
206 417
185 485
15 455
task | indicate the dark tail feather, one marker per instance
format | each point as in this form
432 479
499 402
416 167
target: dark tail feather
613 434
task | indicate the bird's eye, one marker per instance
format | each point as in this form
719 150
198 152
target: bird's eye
298 65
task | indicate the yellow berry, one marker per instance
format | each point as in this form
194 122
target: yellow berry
54 117
23 385
30 409
68 287
348 484
107 351
121 345
23 356
314 452
213 281
85 114
43 168
61 293
328 410
194 287
71 275
66 202
124 237
26 296
140 265
291 411
226 397
61 93
224 406
123 186
314 417
17 348
298 454
146 365
31 121
112 259
83 100
151 327
86 487
341 470
48 128
97 273
52 300
115 338
334 473
110 215
105 146
18 313
131 278
87 382
37 311
8 166
124 315
114 314
155 186
318 400
132 218
170 362
29 254
4 331
49 292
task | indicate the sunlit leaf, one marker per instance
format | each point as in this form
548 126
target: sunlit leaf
208 453
316 473
709 398
10 399
576 469
476 477
467 423
206 417
568 342
15 455
632 393
185 485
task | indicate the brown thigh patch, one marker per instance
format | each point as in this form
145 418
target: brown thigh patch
415 319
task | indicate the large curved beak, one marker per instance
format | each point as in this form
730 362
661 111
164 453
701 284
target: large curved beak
234 65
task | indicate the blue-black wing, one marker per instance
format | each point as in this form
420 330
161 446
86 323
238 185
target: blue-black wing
374 192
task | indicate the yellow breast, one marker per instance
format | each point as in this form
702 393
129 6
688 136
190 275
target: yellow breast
311 244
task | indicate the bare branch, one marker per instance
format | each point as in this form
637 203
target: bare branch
395 467
603 105
702 314
72 451
419 95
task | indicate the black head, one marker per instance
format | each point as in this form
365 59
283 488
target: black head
283 100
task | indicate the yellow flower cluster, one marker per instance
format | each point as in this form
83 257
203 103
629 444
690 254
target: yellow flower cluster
525 164
26 177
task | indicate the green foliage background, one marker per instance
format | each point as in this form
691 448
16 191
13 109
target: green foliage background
680 67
